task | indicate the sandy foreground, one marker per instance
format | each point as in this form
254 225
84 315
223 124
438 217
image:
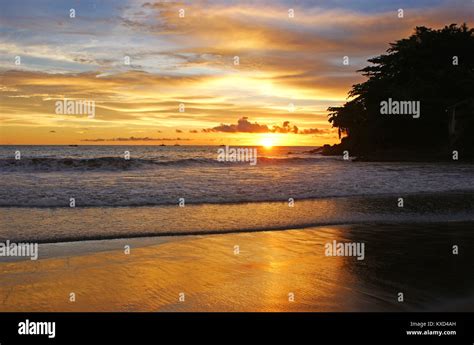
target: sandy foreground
258 271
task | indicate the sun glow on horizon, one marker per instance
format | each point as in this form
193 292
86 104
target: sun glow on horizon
267 142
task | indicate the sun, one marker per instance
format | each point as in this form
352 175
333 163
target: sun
267 142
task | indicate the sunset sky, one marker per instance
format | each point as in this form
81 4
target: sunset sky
190 60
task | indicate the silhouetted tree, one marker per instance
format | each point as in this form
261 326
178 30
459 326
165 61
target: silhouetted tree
419 68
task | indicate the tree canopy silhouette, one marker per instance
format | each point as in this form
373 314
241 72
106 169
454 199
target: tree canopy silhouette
434 67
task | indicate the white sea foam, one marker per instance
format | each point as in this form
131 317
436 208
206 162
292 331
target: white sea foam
100 177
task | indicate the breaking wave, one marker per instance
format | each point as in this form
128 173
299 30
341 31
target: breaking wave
118 163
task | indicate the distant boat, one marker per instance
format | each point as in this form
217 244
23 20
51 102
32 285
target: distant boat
162 145
73 145
177 145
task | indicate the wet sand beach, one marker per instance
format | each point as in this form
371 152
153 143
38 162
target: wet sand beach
267 269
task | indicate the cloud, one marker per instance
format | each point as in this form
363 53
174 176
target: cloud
243 126
136 139
315 131
179 131
286 128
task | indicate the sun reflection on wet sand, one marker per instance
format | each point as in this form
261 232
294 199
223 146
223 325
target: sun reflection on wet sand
268 267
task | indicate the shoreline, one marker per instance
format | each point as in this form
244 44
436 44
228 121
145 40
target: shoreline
83 223
96 245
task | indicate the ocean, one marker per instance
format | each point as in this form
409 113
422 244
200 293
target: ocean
115 197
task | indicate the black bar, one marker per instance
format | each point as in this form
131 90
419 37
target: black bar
240 328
